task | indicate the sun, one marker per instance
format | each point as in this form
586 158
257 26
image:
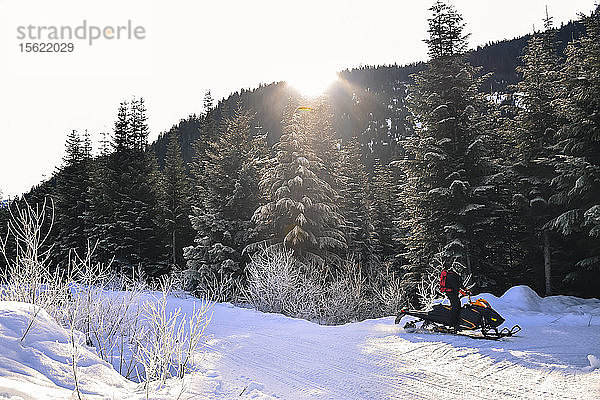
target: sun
312 82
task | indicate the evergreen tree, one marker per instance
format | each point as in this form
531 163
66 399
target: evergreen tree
125 196
384 211
222 220
122 133
207 135
72 202
531 134
175 203
355 203
301 212
138 129
326 146
99 215
577 184
447 193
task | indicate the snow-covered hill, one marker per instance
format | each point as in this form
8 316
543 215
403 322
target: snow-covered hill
265 356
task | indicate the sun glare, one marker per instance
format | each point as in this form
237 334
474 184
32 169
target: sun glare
312 83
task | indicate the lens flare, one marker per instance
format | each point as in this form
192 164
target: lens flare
312 83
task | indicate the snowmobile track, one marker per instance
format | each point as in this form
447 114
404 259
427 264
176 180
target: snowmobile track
294 359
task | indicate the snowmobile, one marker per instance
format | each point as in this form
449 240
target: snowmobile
474 315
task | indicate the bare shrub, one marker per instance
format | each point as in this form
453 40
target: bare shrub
169 340
27 277
346 295
273 281
219 288
388 293
105 307
277 282
428 290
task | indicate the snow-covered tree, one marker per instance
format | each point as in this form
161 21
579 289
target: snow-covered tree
355 203
384 211
577 184
208 134
72 200
447 192
125 196
530 134
175 200
301 211
230 194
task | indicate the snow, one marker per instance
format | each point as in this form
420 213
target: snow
254 355
40 366
471 207
483 190
454 228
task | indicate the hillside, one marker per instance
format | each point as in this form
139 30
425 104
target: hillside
368 102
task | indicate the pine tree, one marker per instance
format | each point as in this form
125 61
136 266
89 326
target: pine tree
125 197
577 183
222 220
355 204
326 146
99 215
72 201
446 194
531 134
301 212
208 134
138 135
122 132
175 203
384 211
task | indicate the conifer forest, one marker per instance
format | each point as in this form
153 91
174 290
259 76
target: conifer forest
489 157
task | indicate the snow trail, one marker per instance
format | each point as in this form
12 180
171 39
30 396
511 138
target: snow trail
295 359
253 355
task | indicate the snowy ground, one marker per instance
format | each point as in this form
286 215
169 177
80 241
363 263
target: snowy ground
251 355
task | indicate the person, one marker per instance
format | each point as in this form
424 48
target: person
451 286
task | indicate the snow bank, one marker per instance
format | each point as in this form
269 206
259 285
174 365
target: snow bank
526 308
594 363
40 366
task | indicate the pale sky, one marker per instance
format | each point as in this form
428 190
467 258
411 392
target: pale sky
192 46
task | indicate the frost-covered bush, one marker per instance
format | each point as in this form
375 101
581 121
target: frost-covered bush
219 288
428 290
274 282
389 295
28 277
137 336
278 282
169 340
102 319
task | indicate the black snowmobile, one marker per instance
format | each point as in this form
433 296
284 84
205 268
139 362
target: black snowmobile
473 316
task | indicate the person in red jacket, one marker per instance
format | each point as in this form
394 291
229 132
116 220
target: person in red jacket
451 286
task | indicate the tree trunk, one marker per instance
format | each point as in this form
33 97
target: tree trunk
469 270
174 250
547 263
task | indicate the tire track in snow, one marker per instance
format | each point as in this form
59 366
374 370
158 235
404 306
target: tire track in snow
387 384
491 379
297 382
302 355
365 364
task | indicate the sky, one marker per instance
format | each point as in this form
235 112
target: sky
188 47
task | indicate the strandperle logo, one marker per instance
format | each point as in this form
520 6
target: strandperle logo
85 31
